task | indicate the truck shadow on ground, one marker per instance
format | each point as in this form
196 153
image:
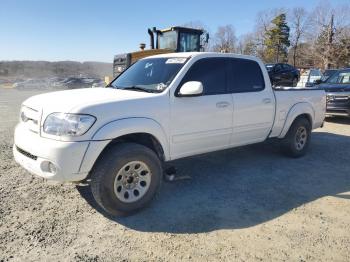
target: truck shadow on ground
243 187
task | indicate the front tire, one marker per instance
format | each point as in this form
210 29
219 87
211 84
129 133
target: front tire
297 140
126 178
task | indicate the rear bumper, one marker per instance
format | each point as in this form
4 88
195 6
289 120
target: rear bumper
34 153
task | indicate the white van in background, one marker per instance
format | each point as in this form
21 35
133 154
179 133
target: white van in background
308 77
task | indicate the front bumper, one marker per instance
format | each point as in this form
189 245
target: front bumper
34 153
338 109
338 104
338 112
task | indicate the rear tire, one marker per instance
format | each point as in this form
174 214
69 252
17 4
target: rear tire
125 178
297 140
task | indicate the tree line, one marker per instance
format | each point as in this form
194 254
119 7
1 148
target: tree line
317 38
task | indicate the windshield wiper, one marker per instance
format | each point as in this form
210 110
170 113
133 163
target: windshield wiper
138 88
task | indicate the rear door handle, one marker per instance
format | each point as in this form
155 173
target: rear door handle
266 100
222 104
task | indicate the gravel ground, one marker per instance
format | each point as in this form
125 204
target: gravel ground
244 204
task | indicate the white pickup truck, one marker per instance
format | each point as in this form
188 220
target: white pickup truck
162 108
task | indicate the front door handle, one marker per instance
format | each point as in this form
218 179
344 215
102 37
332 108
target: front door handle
222 104
267 100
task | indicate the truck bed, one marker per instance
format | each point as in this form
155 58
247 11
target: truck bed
288 97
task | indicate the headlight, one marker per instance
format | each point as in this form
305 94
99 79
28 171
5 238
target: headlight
61 124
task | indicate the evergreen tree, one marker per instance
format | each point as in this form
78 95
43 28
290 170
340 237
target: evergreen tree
277 40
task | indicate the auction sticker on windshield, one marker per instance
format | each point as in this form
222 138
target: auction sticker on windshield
178 60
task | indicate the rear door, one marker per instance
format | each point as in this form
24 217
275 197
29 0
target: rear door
253 102
202 123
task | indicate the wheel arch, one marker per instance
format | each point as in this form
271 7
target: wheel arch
142 131
142 138
297 111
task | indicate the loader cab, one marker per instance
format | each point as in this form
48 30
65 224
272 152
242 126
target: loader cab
171 40
179 39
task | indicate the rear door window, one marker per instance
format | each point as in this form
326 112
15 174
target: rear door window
244 76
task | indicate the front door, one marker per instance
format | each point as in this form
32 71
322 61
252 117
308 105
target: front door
203 123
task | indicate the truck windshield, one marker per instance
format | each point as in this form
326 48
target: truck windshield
150 74
340 78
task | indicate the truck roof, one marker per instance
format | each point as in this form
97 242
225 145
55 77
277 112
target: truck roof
203 54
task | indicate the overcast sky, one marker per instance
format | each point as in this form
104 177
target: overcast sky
97 30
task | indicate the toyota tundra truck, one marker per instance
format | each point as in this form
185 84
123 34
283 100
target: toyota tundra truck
165 107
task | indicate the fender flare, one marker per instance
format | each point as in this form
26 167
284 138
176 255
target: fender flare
118 128
126 126
302 108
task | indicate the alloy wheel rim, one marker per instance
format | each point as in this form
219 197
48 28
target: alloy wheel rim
132 181
300 138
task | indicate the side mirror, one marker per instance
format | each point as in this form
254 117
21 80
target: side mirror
191 88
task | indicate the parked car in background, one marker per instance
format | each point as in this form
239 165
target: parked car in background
328 73
73 83
100 83
283 74
337 89
32 84
5 83
76 82
308 77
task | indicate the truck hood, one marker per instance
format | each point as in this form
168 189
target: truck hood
68 100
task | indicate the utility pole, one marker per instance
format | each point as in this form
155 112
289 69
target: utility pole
330 35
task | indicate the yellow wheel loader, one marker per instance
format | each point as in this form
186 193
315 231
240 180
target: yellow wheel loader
170 40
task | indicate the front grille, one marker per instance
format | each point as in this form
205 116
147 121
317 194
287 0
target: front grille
341 99
27 154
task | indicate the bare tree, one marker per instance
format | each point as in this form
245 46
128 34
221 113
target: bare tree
329 24
263 23
225 39
320 37
247 45
299 23
342 49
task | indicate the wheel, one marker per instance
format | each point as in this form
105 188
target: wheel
297 140
125 178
